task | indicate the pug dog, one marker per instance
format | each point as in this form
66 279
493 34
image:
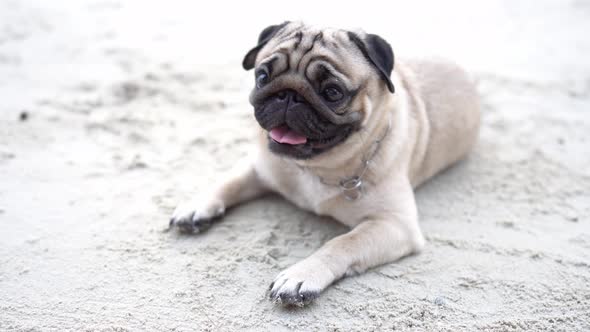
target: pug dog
344 133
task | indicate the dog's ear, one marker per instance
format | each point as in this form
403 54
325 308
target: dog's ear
378 52
266 34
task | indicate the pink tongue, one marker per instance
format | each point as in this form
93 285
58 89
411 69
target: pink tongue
285 135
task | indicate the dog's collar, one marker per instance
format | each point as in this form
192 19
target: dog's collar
352 186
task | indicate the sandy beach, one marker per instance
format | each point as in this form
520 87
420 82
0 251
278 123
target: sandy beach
113 112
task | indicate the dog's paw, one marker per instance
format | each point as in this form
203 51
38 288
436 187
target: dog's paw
301 283
195 217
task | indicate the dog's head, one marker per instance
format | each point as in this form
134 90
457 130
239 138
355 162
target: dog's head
311 86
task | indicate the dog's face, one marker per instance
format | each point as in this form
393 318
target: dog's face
311 86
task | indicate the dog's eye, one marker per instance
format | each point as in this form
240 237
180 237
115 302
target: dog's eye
332 94
261 79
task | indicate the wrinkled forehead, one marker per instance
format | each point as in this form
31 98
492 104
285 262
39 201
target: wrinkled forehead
312 52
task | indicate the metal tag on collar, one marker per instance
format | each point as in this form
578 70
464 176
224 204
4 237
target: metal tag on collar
352 188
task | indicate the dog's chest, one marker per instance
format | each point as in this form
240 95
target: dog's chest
308 192
302 188
327 200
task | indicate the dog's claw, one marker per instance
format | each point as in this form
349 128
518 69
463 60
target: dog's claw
301 283
190 220
289 296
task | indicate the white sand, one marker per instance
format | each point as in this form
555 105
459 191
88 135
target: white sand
133 109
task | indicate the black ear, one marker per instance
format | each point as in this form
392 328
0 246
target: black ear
379 54
263 38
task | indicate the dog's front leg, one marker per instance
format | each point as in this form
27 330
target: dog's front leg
381 238
197 214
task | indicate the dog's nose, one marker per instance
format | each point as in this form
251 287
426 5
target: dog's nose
290 96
